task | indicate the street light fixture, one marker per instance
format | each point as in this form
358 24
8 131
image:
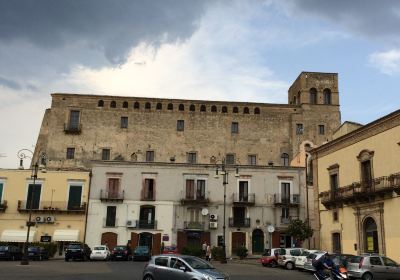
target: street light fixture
22 154
224 172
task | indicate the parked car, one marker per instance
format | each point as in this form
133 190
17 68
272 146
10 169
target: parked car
308 265
141 253
341 259
287 256
10 253
38 253
270 257
121 252
301 260
180 267
77 251
170 250
100 252
368 267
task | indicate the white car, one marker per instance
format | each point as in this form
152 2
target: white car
100 252
310 258
288 257
301 260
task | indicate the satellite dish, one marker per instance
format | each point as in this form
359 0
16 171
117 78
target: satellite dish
270 228
204 211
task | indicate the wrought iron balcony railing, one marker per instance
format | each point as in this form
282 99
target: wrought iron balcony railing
190 225
238 223
146 224
195 198
292 200
72 128
52 207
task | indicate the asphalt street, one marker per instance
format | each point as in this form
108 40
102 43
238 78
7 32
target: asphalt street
60 270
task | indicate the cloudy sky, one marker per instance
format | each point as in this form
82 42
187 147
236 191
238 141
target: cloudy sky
195 49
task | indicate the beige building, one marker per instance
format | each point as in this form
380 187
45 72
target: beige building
58 203
357 188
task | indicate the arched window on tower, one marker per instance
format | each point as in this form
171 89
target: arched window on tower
147 105
327 96
192 108
170 106
136 105
246 110
313 96
213 108
159 106
298 98
125 104
235 110
256 111
100 103
113 104
202 108
224 109
181 107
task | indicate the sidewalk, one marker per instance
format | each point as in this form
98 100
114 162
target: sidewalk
249 260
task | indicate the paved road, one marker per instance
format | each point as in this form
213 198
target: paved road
60 270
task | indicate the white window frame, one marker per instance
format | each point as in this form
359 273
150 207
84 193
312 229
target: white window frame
75 183
292 192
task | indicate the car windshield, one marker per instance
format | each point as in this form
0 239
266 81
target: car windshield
120 248
33 249
3 248
100 248
74 246
170 248
141 249
197 263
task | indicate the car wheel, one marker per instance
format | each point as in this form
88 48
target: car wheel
264 264
274 264
67 260
147 277
13 258
289 266
40 258
367 276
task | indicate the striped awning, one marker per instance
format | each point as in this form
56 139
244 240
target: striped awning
66 235
10 235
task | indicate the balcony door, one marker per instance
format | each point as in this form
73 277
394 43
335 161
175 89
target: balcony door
33 197
285 192
243 190
201 189
146 216
74 198
190 189
113 187
239 215
366 174
74 120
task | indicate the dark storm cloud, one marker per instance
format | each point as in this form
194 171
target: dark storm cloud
366 17
112 27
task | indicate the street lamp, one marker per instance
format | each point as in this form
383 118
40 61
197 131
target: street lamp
22 154
225 174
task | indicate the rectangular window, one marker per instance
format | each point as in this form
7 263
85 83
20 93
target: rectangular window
336 244
243 190
161 261
299 128
334 182
124 122
230 159
111 215
105 154
252 159
33 198
180 125
285 192
285 213
335 216
150 156
321 129
149 190
74 120
189 189
201 189
192 157
235 127
1 192
70 153
366 173
74 198
113 188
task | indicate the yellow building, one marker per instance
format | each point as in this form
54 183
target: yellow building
357 186
58 203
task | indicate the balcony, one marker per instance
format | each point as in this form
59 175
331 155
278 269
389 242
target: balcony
243 198
72 128
146 224
3 205
287 220
292 200
194 225
239 223
195 199
111 196
362 192
52 207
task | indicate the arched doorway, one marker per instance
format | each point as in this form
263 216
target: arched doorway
258 241
109 239
371 236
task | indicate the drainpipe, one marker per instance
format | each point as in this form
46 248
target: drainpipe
87 206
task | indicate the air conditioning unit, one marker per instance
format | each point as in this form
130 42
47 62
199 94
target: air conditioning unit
40 219
213 217
131 223
49 219
213 225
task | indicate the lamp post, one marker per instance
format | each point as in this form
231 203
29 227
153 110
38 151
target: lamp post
225 175
308 213
35 168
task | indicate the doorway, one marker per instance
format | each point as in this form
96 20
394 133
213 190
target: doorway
238 240
258 241
371 236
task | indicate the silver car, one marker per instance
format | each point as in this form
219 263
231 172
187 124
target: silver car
368 267
172 267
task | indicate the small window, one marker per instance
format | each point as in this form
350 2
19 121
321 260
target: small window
321 129
124 122
111 216
235 127
299 128
224 109
125 104
113 104
170 106
235 110
136 105
100 103
335 216
161 261
159 106
334 182
202 108
313 96
180 125
246 110
192 157
252 159
181 107
285 159
70 153
230 159
256 111
147 105
213 108
192 108
327 96
150 156
105 154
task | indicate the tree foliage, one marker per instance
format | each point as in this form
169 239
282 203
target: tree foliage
299 230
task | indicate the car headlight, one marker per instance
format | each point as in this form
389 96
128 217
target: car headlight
208 277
